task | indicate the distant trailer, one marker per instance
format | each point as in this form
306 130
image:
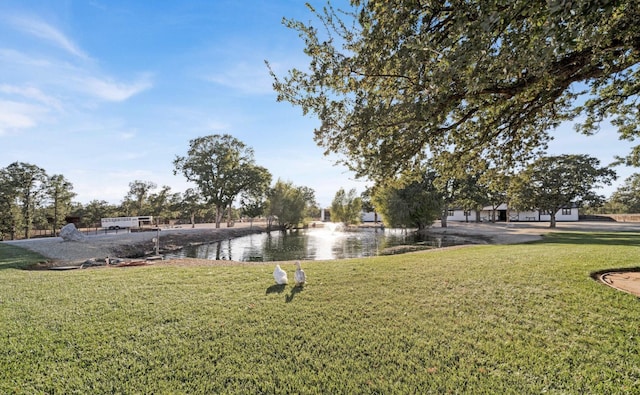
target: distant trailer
126 222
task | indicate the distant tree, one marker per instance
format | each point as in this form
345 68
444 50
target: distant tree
257 181
346 207
627 197
163 204
136 202
26 183
253 207
9 210
553 182
191 204
95 210
495 186
471 197
409 203
254 203
311 210
60 192
222 167
286 203
367 203
393 82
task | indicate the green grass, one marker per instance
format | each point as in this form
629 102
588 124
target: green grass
517 319
12 257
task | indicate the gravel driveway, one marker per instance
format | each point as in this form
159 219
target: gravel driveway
130 244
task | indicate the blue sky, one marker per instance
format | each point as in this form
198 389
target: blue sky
108 92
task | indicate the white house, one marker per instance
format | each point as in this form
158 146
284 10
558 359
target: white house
565 214
370 216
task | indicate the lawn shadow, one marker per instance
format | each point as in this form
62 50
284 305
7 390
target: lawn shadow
294 291
276 289
600 238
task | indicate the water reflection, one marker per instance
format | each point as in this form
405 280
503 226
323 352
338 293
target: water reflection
311 244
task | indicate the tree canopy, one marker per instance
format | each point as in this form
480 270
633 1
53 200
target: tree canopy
409 202
346 207
395 82
626 198
222 167
60 192
26 184
287 203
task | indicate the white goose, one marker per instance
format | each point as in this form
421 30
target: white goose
299 275
280 276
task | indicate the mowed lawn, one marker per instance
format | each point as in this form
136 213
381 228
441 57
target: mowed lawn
514 319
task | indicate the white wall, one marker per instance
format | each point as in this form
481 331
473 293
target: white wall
521 216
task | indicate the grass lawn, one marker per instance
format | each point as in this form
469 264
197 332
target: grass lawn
516 319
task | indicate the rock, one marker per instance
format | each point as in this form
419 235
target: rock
69 232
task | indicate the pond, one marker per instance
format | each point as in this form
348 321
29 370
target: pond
325 243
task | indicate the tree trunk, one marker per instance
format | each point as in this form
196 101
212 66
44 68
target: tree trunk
445 213
552 223
219 214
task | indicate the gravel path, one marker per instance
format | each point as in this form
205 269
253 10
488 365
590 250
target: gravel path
128 245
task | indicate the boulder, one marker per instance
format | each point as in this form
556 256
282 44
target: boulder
69 232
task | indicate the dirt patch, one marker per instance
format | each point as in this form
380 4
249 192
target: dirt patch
626 280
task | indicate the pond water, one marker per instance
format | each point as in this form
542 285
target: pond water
329 242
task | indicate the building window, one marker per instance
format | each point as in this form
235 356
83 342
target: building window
566 211
545 212
467 213
450 213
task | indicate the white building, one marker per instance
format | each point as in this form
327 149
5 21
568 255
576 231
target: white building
566 214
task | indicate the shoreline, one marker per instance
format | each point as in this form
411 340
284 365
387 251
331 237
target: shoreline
138 245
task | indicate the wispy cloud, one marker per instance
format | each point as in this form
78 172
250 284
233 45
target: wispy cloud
69 74
45 31
30 92
13 56
108 89
15 116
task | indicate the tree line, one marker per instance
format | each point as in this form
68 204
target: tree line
547 184
221 167
230 185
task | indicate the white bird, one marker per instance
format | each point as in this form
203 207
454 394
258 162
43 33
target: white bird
299 276
280 276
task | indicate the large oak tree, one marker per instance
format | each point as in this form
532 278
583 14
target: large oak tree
555 182
394 82
222 167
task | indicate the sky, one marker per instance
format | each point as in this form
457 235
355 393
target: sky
106 92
